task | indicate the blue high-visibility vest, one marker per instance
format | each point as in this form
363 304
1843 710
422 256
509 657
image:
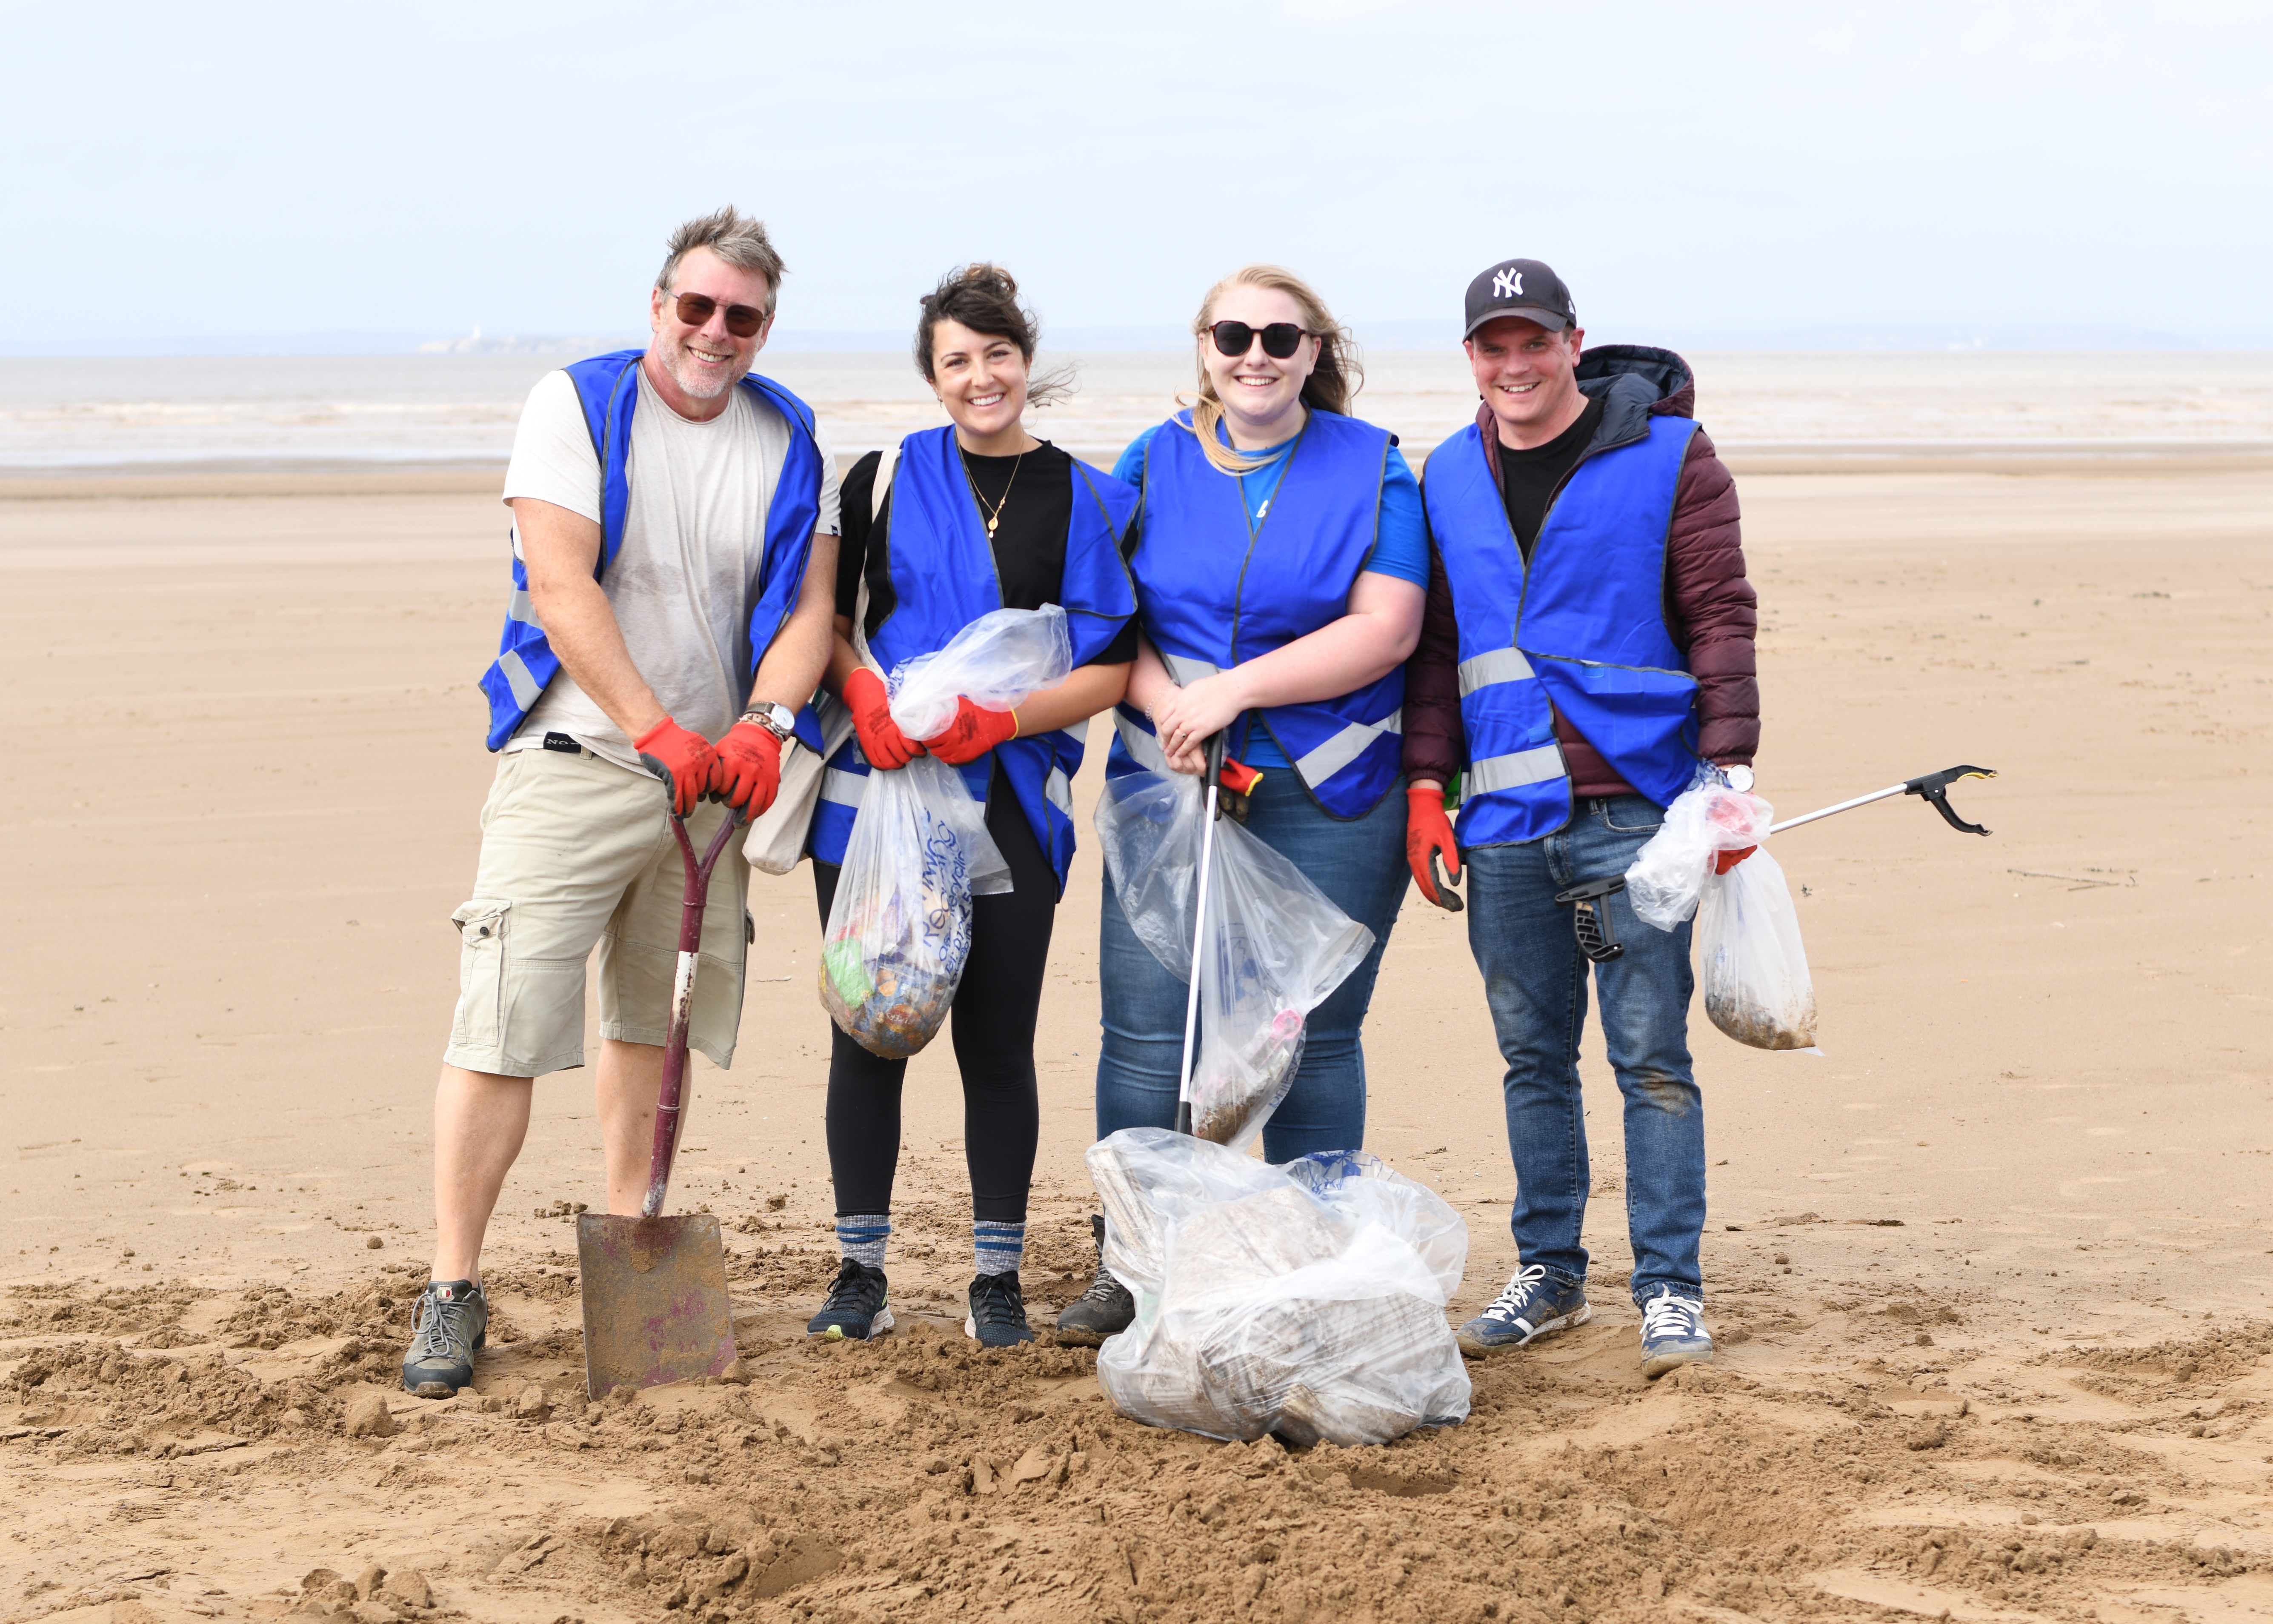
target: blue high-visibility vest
608 387
944 578
1582 629
1214 590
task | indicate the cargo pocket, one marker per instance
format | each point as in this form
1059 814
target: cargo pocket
479 1023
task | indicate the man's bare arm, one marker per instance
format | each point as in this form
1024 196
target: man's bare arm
792 668
559 549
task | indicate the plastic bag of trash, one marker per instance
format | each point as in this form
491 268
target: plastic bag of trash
899 928
1750 960
1668 875
1276 945
1306 1300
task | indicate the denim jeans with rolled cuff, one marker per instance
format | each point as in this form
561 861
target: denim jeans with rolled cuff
1360 864
1536 984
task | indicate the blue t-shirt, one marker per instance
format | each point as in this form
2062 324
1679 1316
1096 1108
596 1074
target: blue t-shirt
1400 550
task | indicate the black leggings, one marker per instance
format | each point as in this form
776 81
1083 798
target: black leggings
993 1021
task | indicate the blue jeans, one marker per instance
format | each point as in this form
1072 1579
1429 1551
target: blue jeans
1360 865
1535 982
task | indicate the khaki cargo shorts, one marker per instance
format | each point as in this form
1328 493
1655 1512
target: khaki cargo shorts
578 852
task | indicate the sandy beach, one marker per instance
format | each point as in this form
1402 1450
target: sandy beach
1989 1274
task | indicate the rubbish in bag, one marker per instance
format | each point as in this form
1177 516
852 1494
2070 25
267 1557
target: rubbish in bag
1306 1300
1276 944
899 928
1668 875
1754 969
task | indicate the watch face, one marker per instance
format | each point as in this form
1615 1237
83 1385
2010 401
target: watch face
1740 779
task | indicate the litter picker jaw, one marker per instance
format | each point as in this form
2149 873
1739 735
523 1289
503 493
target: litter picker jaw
1933 788
654 1288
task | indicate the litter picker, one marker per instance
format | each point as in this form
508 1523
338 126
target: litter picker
1215 748
655 1288
1933 788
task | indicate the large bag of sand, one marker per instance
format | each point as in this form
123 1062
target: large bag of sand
899 929
1306 1300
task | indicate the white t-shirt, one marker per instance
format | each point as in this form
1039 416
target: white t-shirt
685 578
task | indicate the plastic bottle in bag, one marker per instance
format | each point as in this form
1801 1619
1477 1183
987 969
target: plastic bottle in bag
1276 946
899 928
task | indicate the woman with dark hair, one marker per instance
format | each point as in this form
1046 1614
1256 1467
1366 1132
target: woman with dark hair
1281 567
954 524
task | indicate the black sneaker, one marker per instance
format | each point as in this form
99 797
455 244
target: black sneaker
858 1305
448 1325
998 1311
1105 1309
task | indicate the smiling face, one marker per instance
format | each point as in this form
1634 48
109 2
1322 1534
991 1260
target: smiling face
704 362
1262 396
981 378
1528 377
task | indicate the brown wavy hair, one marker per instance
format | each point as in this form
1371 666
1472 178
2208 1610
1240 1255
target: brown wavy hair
985 299
1337 377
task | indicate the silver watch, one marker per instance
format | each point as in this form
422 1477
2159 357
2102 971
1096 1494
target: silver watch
1740 779
779 721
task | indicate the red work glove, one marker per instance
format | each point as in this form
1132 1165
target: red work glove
974 732
683 760
1427 830
749 769
881 742
1722 862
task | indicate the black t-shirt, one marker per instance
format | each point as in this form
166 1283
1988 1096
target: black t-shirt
1036 498
1528 478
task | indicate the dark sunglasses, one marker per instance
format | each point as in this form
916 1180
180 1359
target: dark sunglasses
1280 339
742 320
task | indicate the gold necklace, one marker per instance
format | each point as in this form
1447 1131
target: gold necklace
995 518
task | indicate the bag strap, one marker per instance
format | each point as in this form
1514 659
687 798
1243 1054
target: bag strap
887 463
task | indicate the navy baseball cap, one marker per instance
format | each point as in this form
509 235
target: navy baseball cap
1525 287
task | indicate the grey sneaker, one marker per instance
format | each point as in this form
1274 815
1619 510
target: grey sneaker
448 1325
1530 1307
1106 1309
859 1305
1673 1332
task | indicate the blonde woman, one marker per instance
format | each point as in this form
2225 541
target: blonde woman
1281 566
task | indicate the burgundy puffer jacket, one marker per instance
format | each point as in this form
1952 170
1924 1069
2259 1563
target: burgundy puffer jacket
1710 609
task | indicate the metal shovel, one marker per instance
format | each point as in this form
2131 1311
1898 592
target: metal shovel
655 1288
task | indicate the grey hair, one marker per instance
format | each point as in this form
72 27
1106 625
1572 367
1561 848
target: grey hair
735 237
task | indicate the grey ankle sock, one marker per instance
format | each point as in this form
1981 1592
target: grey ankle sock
861 1236
998 1248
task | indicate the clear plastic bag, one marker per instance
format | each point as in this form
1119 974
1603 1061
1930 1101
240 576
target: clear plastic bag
1277 946
1668 875
1750 960
899 929
1306 1300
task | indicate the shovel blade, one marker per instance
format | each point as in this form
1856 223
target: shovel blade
655 1300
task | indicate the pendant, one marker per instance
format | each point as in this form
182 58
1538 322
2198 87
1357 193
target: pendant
991 524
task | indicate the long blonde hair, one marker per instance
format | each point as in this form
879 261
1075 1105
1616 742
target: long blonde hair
1338 376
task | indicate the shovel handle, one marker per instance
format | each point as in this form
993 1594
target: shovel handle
669 1098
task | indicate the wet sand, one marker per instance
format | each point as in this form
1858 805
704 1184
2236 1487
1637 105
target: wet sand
1964 1264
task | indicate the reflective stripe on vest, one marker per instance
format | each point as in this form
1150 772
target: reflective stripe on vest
943 576
607 386
1584 627
1216 589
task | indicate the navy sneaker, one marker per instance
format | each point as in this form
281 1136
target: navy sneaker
1673 1332
1530 1307
859 1305
448 1325
998 1311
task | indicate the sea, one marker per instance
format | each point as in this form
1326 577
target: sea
62 414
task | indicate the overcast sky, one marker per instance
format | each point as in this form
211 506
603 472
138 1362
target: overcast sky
1694 167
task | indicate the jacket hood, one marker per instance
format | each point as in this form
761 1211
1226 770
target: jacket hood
1634 381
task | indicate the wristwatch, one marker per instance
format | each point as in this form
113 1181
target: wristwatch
1740 779
779 721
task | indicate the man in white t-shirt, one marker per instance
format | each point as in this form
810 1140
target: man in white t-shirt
675 548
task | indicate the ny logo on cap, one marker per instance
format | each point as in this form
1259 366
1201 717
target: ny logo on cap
1507 285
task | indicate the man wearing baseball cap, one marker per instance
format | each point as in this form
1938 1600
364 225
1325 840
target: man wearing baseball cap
1586 651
